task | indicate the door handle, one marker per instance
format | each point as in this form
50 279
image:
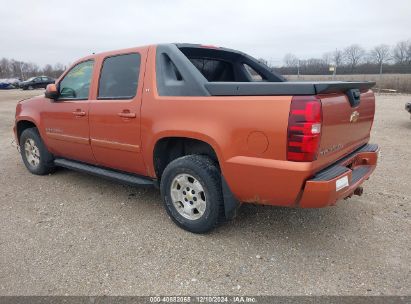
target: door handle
79 112
127 114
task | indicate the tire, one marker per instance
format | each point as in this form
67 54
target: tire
30 87
36 157
206 208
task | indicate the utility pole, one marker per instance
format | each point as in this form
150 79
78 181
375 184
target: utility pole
337 59
333 69
379 85
21 70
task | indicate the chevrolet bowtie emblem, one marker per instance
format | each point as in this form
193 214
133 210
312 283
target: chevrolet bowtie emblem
354 116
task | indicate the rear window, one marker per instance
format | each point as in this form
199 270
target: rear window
254 75
213 69
119 77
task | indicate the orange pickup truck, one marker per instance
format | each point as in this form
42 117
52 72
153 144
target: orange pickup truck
210 126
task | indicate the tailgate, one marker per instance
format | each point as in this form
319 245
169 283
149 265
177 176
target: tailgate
346 124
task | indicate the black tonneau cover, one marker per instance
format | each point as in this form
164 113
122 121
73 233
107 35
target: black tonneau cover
284 88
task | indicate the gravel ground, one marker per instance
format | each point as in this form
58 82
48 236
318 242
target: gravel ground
74 234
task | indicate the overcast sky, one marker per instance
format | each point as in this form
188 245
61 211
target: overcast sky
62 31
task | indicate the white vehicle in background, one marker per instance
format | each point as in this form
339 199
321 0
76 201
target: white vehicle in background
9 83
408 108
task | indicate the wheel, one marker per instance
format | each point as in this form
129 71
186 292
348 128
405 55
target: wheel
24 88
31 87
191 191
36 157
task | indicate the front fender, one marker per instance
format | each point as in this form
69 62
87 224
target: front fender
29 110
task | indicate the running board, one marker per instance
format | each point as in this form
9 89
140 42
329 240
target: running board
121 177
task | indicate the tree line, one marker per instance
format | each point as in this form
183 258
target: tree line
10 68
353 59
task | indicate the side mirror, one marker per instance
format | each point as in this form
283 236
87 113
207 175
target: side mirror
51 91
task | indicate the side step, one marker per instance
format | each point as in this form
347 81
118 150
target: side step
121 177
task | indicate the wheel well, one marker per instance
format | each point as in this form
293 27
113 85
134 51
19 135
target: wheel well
168 149
23 125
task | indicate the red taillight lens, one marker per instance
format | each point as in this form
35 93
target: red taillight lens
304 129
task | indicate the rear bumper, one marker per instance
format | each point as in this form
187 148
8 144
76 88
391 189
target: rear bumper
341 179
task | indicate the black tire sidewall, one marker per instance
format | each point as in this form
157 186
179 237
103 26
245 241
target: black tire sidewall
46 164
211 182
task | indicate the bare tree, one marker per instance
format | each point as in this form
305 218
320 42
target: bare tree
291 60
338 57
353 59
328 58
263 61
30 69
353 55
399 52
58 69
47 70
5 69
10 68
16 68
380 54
409 52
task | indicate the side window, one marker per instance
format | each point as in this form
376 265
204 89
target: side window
255 76
119 77
76 84
44 79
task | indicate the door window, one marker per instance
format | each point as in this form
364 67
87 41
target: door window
76 84
119 77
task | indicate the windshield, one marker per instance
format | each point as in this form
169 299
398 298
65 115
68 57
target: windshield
30 79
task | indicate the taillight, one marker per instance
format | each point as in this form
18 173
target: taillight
304 129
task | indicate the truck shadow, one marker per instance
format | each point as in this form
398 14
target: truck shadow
255 224
306 227
287 218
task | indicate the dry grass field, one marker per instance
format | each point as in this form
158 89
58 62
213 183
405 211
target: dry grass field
399 82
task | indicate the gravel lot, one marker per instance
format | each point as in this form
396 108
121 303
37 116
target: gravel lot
74 234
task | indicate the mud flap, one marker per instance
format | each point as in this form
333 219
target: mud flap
231 204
